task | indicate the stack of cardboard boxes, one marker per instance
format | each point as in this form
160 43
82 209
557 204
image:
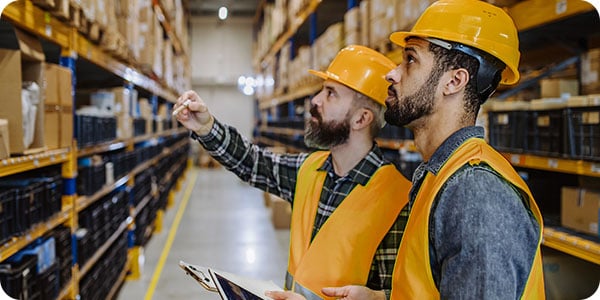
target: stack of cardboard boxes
51 126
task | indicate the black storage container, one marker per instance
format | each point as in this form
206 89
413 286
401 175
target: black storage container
507 130
7 214
545 132
583 132
19 278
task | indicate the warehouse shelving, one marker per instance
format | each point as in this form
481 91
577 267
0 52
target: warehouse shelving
19 242
74 47
294 24
291 96
532 13
14 165
33 19
94 259
166 23
563 165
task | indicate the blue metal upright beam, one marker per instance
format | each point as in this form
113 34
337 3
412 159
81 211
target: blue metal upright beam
312 28
352 4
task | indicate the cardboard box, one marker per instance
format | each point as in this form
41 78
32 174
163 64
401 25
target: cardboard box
124 127
4 139
556 88
52 106
281 213
65 98
16 66
590 70
580 209
58 112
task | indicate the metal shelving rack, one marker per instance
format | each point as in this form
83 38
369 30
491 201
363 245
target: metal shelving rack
74 45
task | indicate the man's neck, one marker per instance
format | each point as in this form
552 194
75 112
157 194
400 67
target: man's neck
349 154
431 131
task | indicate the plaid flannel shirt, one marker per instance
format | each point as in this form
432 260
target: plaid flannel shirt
276 174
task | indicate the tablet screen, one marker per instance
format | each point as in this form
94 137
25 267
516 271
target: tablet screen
232 291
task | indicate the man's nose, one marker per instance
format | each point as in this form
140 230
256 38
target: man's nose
316 99
393 76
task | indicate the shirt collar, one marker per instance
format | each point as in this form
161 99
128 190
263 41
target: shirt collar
364 170
443 152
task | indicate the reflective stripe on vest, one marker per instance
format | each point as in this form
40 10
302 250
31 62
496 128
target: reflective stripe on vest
412 277
342 252
293 286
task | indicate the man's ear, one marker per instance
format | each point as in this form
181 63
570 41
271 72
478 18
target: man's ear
455 81
362 118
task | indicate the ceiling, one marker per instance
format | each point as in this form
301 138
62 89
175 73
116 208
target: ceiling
236 8
328 12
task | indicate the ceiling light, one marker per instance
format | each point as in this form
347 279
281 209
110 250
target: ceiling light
223 13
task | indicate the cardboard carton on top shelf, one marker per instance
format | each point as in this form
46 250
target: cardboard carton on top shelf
556 88
17 66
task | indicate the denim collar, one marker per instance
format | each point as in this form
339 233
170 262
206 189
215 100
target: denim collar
443 152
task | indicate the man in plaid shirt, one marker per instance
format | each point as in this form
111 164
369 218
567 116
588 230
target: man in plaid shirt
347 201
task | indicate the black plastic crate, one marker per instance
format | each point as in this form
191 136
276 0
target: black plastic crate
64 252
507 130
90 179
18 278
7 214
583 132
29 197
52 195
85 249
139 126
545 132
49 282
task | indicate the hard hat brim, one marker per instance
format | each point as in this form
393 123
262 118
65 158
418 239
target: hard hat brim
399 38
320 74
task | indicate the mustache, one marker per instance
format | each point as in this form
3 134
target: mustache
315 112
392 91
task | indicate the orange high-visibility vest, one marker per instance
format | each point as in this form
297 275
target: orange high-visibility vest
342 252
412 277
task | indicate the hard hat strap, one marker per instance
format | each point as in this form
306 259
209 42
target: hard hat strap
489 72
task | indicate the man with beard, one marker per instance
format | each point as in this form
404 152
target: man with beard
346 201
474 229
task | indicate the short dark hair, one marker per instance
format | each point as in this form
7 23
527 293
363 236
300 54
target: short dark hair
447 60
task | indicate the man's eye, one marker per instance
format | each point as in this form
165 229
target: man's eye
410 59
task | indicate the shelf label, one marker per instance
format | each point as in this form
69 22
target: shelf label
561 6
48 30
595 168
515 158
36 162
553 163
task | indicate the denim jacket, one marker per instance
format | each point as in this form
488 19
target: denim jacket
482 237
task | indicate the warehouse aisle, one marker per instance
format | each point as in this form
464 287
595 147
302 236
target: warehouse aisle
225 225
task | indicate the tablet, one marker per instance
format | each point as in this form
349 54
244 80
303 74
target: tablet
229 286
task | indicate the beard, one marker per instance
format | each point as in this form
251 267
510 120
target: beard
326 134
406 109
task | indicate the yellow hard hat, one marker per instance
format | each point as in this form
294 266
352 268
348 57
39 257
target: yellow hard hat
472 23
361 69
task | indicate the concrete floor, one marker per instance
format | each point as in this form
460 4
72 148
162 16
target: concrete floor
225 226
